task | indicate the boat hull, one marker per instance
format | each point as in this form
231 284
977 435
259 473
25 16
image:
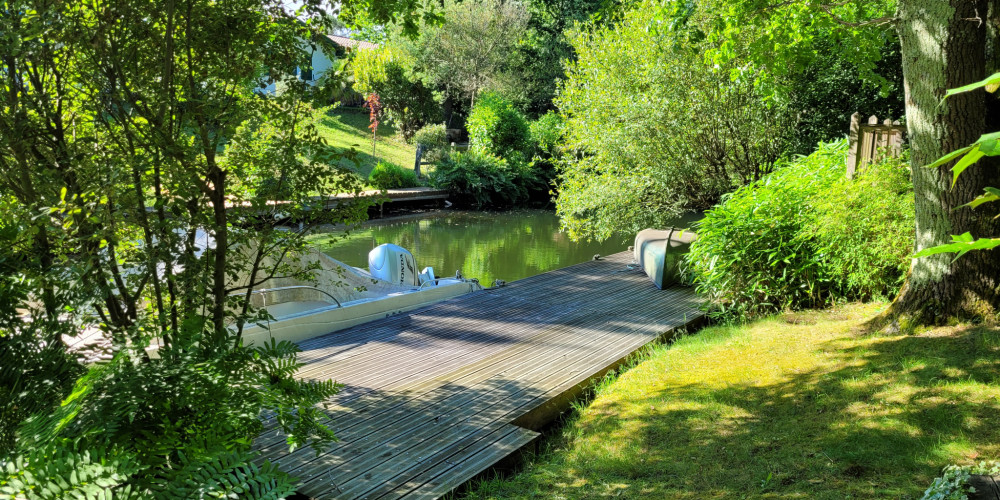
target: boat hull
310 320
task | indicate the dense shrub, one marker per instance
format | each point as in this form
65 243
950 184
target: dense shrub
863 231
483 181
751 255
546 132
546 135
496 128
434 138
657 129
387 175
388 72
805 236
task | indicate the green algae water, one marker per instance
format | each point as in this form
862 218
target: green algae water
484 245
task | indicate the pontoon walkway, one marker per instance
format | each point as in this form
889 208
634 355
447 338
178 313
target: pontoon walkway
433 397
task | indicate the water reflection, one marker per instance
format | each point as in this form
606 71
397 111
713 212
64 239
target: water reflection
506 245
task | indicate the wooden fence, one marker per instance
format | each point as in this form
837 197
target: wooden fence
870 141
419 160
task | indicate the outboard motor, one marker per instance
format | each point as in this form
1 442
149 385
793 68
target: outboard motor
394 264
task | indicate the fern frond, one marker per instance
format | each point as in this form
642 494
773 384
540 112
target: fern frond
221 473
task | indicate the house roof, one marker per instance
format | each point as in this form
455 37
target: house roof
349 43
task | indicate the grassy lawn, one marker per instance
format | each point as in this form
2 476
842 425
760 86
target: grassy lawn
798 406
348 128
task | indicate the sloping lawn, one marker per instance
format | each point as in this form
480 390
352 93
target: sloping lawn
798 406
348 128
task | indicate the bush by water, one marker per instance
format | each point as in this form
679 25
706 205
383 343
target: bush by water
806 236
387 175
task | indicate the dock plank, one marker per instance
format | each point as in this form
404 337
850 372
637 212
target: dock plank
438 395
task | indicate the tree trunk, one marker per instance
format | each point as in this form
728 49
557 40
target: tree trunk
944 46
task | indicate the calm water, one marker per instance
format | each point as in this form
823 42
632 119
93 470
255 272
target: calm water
488 246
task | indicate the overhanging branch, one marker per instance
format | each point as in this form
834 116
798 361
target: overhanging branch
881 21
828 9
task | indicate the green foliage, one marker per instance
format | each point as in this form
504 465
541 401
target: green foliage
222 473
470 50
653 129
387 71
751 256
434 139
828 91
483 181
990 83
432 136
498 171
952 484
34 376
546 134
987 145
863 231
66 472
778 42
679 102
387 175
194 443
536 63
496 128
139 211
805 236
36 372
367 15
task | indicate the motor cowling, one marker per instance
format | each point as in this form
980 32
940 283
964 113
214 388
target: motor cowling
394 264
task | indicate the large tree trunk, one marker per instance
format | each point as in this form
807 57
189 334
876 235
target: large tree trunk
944 46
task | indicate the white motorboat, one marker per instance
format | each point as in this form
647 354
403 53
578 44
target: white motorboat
341 296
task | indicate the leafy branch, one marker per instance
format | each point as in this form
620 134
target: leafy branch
987 145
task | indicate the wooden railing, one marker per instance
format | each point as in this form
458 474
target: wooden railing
420 156
869 142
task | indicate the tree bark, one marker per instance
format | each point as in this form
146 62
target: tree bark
944 47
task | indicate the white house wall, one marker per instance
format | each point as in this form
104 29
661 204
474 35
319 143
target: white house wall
320 64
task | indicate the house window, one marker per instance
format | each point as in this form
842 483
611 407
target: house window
306 69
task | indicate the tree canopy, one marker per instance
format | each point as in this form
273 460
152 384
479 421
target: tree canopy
675 105
139 175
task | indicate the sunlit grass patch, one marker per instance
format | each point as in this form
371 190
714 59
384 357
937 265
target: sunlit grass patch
796 406
348 128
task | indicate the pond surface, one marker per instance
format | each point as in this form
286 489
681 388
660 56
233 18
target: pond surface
484 245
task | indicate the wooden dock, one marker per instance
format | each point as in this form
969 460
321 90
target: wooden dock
399 196
436 396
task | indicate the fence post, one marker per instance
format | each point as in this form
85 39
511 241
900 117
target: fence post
896 140
869 142
416 164
852 152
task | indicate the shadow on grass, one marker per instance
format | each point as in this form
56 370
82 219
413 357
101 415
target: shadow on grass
878 417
